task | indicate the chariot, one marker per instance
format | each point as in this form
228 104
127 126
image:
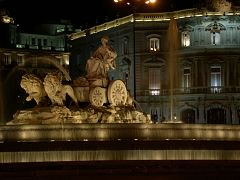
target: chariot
100 92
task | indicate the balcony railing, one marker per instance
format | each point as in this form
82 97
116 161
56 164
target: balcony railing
48 48
190 90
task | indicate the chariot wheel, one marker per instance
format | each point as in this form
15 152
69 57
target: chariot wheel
97 96
117 93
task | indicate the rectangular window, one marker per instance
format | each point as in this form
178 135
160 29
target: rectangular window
215 79
215 38
185 39
7 59
39 42
44 42
154 81
125 46
33 41
186 79
59 60
20 60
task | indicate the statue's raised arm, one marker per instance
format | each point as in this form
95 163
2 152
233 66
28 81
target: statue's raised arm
102 60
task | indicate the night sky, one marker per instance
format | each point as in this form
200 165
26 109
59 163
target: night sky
78 11
83 13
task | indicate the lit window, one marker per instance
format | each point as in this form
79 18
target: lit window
154 44
65 60
185 39
154 81
215 38
215 79
186 78
20 46
60 29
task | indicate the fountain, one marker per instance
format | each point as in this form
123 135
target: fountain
109 129
104 101
172 36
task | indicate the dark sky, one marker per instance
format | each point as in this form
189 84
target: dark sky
78 11
83 12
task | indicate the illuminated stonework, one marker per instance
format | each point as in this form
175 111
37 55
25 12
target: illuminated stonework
5 18
108 101
104 142
148 17
206 87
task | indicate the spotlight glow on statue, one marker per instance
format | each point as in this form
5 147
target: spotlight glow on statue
108 101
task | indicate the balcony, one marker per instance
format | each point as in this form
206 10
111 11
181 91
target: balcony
190 90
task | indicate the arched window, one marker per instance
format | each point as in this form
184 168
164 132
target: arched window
154 44
216 116
188 116
155 115
215 28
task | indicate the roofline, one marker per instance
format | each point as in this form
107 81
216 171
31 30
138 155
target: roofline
146 17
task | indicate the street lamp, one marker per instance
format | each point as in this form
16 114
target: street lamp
135 3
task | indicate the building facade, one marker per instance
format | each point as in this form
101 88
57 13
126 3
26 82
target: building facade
181 65
38 52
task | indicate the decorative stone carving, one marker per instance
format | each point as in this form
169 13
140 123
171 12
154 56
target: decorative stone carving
107 101
34 87
97 96
102 60
56 91
117 93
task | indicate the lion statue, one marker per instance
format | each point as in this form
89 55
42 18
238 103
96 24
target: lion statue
34 87
56 91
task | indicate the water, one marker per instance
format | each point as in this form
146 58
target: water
102 140
53 62
172 63
1 98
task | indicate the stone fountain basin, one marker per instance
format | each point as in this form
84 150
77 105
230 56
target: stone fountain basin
119 131
118 142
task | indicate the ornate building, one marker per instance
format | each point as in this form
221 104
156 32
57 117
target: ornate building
39 51
195 81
